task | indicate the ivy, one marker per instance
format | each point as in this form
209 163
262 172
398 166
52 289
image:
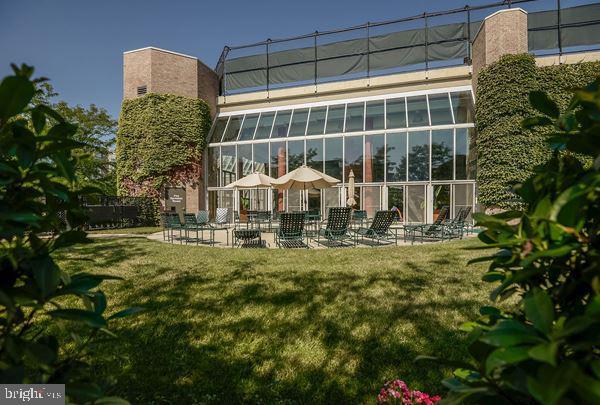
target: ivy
507 154
160 142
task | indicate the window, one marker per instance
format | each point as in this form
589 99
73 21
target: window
281 125
335 119
462 105
374 158
396 113
264 125
334 157
244 158
375 115
396 201
462 153
439 108
233 128
314 154
213 166
316 122
371 200
396 157
355 116
141 90
278 159
248 127
295 154
353 157
261 158
417 111
298 126
415 203
442 150
418 156
218 129
227 165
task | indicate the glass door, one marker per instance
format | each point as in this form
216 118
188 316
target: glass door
396 201
415 203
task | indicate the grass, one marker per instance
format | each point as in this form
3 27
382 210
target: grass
142 230
319 326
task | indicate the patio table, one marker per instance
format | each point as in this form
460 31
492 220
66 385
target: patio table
250 237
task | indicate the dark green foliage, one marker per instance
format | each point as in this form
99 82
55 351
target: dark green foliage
39 194
507 153
160 139
545 350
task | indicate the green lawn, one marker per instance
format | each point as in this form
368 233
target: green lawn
318 326
141 230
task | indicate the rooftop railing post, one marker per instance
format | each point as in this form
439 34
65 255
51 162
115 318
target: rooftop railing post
426 40
267 49
316 34
558 31
368 50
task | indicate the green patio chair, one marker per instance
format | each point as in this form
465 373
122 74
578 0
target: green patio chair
379 228
434 231
338 226
173 224
291 231
203 224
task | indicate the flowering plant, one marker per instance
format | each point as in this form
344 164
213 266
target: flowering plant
397 392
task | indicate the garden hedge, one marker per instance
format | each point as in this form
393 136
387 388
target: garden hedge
507 153
160 141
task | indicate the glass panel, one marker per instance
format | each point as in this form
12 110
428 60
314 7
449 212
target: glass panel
219 128
374 158
298 126
244 204
227 165
316 122
396 157
212 167
356 205
418 156
331 198
462 152
396 113
375 115
441 198
439 108
282 123
334 157
264 125
355 117
472 155
212 203
278 200
258 199
353 157
396 201
314 199
244 158
371 200
417 111
463 198
261 158
248 127
441 154
314 154
294 200
278 159
233 128
335 119
295 154
462 104
225 200
415 203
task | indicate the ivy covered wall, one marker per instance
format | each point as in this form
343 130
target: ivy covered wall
506 153
160 142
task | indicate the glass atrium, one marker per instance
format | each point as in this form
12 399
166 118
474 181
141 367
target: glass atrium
410 151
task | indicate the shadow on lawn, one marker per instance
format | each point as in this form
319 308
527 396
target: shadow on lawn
305 335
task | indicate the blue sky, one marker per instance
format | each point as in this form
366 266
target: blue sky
79 44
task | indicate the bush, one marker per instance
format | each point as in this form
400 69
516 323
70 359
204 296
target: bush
39 191
545 349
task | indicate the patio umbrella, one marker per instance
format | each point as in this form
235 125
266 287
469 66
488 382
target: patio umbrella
253 180
351 202
304 178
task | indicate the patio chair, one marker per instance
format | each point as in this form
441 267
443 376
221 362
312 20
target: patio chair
338 226
247 238
222 221
291 231
379 229
456 227
174 223
196 223
435 231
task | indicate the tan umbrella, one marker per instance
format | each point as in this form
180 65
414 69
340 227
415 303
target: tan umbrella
304 178
351 202
253 180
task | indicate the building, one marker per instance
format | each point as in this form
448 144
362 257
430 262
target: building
392 102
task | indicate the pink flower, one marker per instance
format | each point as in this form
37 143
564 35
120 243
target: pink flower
398 390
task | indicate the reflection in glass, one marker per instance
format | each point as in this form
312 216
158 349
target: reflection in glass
331 198
396 113
261 158
396 157
353 157
418 156
417 111
295 154
314 154
355 117
441 198
316 121
441 154
233 128
462 153
463 198
213 166
415 203
278 159
371 199
374 158
462 104
281 125
248 127
227 165
264 125
334 157
298 126
439 108
220 125
375 115
314 199
294 200
244 158
396 201
335 119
